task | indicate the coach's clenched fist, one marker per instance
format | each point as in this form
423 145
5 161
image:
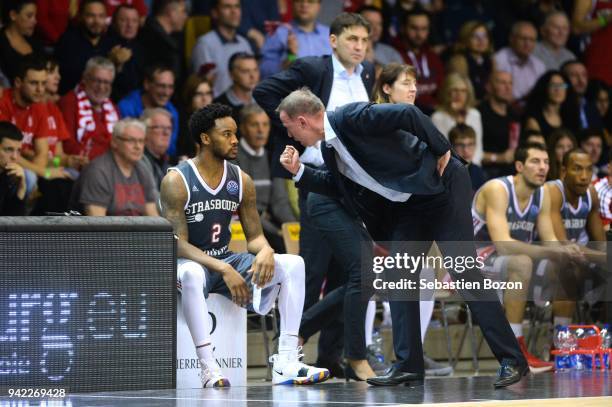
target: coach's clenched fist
290 160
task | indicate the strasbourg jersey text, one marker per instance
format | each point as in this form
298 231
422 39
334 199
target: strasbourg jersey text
209 212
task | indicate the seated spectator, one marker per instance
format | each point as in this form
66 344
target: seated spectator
158 122
23 105
81 42
197 93
417 52
157 37
272 199
303 37
213 50
457 106
500 126
88 111
603 186
12 175
594 19
56 192
158 88
53 17
125 51
58 130
53 81
600 94
519 60
139 5
244 72
473 55
577 74
592 141
551 49
16 37
559 142
56 119
118 183
378 52
255 16
551 104
463 140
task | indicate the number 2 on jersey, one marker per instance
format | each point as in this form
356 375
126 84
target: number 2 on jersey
216 231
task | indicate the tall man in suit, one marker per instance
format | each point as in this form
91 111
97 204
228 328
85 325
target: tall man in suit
327 232
389 158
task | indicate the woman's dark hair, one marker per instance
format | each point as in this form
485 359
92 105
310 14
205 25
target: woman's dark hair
13 5
189 90
538 99
551 142
596 86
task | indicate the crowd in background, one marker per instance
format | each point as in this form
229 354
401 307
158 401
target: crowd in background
73 74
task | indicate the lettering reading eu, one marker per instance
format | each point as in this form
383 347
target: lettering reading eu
40 331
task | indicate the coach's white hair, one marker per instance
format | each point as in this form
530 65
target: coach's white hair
123 124
99 63
301 101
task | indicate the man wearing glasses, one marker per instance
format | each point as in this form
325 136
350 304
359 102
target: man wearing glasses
519 59
118 183
463 140
159 129
88 111
158 88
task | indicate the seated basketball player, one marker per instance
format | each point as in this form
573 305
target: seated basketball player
510 210
575 218
199 197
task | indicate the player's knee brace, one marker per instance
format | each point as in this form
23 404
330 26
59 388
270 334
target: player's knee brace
193 277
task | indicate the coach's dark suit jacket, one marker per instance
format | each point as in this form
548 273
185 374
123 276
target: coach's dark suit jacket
396 144
316 73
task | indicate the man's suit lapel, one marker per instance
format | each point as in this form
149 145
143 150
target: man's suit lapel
367 76
328 81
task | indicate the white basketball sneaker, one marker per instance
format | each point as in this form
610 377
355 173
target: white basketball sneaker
212 376
287 369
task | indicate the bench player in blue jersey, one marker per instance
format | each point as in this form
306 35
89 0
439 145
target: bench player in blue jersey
575 218
199 197
510 210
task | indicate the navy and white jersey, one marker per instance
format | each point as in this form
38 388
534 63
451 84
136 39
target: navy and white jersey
574 219
209 211
522 224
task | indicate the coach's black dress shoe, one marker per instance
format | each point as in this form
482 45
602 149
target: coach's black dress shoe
394 376
509 373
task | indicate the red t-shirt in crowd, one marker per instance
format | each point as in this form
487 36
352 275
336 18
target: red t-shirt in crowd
598 58
33 121
95 143
57 127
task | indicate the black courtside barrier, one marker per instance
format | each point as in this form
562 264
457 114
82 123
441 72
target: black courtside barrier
87 304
